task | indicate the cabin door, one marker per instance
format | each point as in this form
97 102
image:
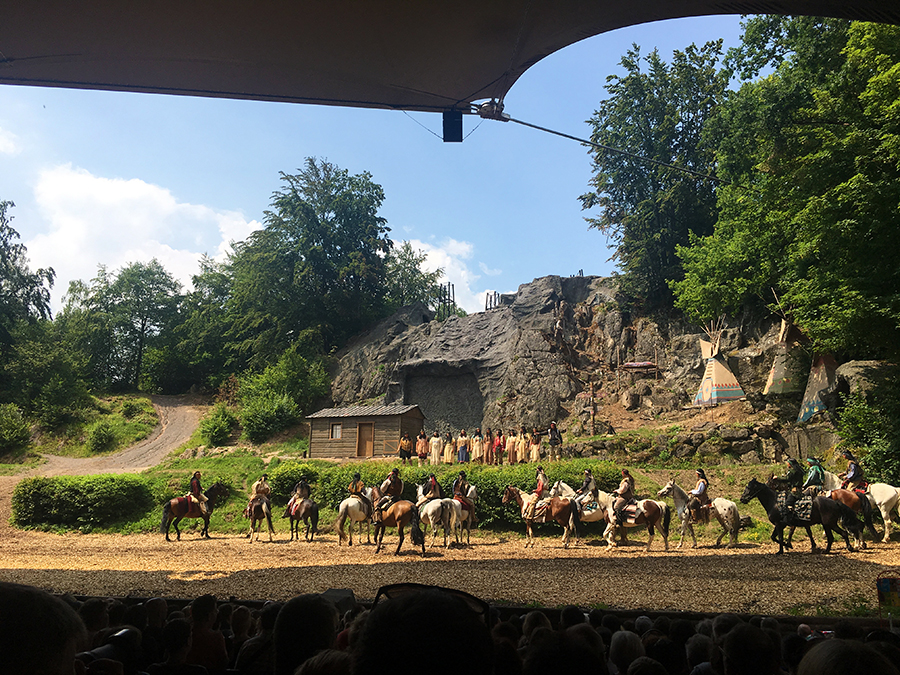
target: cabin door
365 439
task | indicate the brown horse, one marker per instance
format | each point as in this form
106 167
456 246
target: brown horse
400 514
259 510
562 510
180 507
653 514
307 511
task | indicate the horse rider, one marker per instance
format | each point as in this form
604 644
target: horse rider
391 488
431 490
197 495
554 438
357 489
815 478
461 492
301 491
543 485
259 489
588 492
853 476
624 496
794 476
700 499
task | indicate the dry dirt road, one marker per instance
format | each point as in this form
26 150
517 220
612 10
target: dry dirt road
749 578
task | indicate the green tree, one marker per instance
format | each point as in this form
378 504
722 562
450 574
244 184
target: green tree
24 295
407 282
319 263
817 156
647 210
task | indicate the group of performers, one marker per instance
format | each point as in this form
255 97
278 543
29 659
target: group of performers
515 447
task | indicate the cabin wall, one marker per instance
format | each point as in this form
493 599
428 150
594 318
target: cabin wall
387 432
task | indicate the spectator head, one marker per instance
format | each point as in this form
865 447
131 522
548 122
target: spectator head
793 648
611 621
570 616
552 651
771 623
48 632
830 657
240 620
680 630
642 624
624 648
644 665
268 614
177 639
747 650
157 608
722 624
203 610
595 617
804 631
326 662
698 649
670 654
95 614
305 625
424 618
582 634
532 621
505 631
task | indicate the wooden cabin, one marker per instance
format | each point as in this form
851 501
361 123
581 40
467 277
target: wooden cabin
362 431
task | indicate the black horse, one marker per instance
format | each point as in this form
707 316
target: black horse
825 512
180 507
307 511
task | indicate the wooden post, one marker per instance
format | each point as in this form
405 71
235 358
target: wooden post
593 411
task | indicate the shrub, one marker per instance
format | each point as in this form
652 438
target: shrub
82 502
130 408
101 436
14 431
216 425
267 414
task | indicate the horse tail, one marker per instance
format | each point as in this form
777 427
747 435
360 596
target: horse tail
314 518
848 517
167 507
574 518
866 508
415 532
735 517
341 519
667 517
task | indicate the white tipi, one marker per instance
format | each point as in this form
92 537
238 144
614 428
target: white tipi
820 377
719 384
783 376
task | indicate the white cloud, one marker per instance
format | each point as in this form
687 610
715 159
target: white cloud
9 143
93 220
488 271
451 255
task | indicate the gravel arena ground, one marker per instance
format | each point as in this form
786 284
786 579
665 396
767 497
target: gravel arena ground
749 578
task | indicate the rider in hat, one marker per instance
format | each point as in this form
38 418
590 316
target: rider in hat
196 493
815 479
357 489
300 492
624 496
794 476
461 492
391 488
854 475
700 498
431 490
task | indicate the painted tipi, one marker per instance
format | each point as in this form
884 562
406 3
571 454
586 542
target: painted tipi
719 384
821 377
784 377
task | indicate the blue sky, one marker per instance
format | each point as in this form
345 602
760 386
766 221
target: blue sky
112 178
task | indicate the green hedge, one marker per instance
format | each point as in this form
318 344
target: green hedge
80 502
329 483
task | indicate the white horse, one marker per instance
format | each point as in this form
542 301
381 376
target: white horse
436 512
591 512
884 497
353 509
463 518
725 511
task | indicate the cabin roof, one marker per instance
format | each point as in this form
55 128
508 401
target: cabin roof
364 411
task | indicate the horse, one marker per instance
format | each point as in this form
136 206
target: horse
354 510
400 514
464 517
563 511
305 510
436 512
181 507
725 511
655 515
257 511
586 514
882 496
825 512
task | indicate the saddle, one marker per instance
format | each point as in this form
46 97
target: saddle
462 503
541 510
631 512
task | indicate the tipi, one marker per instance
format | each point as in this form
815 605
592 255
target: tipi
820 377
783 376
719 384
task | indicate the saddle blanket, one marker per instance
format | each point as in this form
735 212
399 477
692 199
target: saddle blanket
465 507
802 507
631 513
